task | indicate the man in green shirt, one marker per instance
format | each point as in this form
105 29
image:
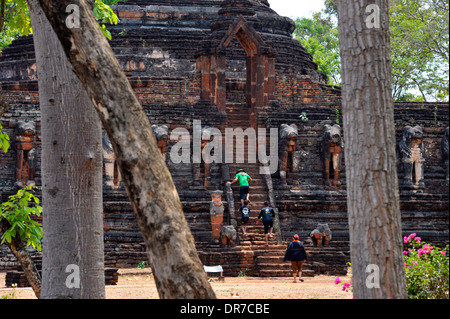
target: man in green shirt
244 186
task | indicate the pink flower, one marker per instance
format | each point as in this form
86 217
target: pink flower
418 239
337 280
409 238
346 286
443 253
420 252
405 252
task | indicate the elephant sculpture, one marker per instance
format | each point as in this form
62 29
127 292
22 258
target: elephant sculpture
321 235
26 153
289 155
332 146
412 156
444 146
161 133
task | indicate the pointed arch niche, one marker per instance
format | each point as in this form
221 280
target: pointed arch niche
260 82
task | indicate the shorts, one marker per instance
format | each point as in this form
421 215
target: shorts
267 225
244 220
243 191
297 265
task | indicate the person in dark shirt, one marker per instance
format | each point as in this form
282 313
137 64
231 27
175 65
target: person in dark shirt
296 254
267 214
245 214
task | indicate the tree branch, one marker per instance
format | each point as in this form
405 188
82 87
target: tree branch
19 251
2 14
3 104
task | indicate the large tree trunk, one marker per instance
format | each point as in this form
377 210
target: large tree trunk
73 255
370 158
23 256
174 260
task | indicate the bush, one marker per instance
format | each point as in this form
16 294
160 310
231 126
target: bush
18 212
426 269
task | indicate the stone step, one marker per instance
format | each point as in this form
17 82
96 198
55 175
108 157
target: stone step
256 240
259 244
258 197
237 115
280 265
270 259
283 273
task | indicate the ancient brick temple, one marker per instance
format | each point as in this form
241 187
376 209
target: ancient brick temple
233 64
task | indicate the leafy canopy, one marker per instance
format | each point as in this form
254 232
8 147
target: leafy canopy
320 38
419 46
15 19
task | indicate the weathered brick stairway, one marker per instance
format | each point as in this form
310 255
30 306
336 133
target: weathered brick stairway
251 256
267 260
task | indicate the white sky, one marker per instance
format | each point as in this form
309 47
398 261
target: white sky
296 8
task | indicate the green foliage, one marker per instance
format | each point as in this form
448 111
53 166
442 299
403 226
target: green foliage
243 273
17 19
141 265
303 117
336 111
4 140
419 46
10 295
104 13
420 49
320 38
17 22
427 270
20 20
18 212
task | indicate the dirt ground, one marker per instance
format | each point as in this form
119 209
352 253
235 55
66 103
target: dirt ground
139 284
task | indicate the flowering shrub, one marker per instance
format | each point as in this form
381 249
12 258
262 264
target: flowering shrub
426 269
346 286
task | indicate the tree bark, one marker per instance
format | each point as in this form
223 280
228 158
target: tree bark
3 104
23 256
372 185
174 260
2 14
73 255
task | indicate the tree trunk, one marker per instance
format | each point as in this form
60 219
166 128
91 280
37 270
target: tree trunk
370 158
174 260
73 255
3 103
20 252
